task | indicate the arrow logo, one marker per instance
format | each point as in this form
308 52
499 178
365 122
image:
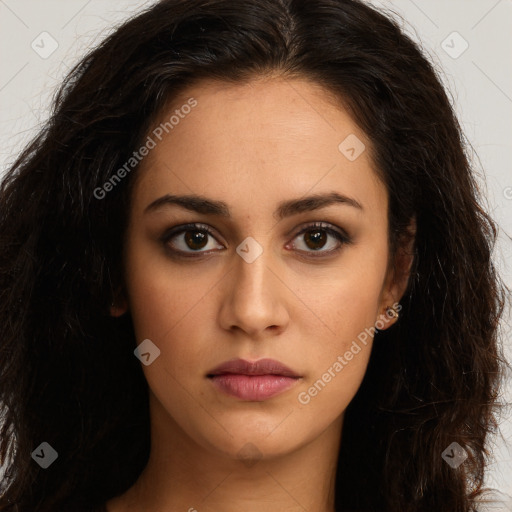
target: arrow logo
249 245
454 455
351 147
454 45
44 455
147 352
44 44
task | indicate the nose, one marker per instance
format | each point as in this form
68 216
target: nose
253 297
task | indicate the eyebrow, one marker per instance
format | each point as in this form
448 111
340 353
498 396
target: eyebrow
201 204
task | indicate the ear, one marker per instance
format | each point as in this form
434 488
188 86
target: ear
119 304
397 277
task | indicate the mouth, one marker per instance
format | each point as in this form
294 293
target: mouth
253 381
261 367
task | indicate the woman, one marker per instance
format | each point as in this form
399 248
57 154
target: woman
245 265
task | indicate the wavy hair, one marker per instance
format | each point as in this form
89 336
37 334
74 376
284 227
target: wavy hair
68 375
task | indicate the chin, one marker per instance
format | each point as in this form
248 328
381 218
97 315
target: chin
253 439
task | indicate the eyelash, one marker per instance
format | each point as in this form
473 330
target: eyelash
341 236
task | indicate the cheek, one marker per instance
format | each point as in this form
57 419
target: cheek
169 310
346 303
171 306
338 359
341 336
163 298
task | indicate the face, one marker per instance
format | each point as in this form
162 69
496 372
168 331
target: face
279 251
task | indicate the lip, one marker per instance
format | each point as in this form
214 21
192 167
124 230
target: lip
260 367
253 381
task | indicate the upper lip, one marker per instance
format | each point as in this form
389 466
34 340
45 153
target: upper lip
260 367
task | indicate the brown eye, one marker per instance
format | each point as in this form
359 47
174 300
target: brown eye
189 239
315 237
195 239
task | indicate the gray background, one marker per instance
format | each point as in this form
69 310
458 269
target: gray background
478 78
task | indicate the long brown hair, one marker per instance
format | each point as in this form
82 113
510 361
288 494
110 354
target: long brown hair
433 378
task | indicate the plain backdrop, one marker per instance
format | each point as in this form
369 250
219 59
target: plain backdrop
469 42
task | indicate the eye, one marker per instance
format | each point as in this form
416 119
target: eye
315 237
191 238
194 238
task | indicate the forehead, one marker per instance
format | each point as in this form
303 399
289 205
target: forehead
256 143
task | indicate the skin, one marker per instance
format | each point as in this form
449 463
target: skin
252 146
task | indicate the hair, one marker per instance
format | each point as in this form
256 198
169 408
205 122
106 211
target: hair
68 375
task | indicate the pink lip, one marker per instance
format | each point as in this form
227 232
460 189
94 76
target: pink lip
260 367
255 387
254 381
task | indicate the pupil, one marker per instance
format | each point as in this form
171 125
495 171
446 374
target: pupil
197 237
315 237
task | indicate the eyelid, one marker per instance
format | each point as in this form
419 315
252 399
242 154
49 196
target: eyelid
191 226
340 234
327 227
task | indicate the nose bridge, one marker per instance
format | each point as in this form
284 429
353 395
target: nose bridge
254 301
251 271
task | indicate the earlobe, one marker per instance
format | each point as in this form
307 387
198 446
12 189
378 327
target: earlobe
389 317
117 311
398 277
119 305
393 312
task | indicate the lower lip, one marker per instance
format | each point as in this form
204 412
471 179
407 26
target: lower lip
252 387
